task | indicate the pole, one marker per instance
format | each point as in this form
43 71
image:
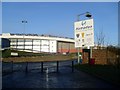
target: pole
24 22
81 55
42 67
57 66
87 14
78 17
78 55
90 52
24 36
26 67
72 66
24 31
12 65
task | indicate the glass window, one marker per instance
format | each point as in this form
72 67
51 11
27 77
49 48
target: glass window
20 40
13 40
28 40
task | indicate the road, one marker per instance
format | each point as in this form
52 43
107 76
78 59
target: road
65 78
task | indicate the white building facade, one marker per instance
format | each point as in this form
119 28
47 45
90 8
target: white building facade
35 43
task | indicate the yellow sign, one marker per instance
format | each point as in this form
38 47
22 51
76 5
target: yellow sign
82 35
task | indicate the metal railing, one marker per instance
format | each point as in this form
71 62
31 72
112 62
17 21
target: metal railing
52 66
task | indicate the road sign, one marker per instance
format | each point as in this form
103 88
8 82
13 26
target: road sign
84 33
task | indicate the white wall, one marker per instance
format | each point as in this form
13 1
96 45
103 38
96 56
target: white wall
20 43
13 46
45 46
53 46
13 43
36 42
28 43
36 45
44 49
28 47
44 42
20 47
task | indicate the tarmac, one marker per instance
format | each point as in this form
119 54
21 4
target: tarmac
65 78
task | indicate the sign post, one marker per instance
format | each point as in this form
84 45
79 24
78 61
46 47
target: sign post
78 55
90 52
84 34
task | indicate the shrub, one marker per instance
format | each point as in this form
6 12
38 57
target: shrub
6 53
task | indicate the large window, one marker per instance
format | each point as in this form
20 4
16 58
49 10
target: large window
36 42
13 40
20 40
28 40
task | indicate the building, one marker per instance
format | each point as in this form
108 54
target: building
40 43
4 43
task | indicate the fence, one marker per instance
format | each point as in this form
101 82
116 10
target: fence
53 66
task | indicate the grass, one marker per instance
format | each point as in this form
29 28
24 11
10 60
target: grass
35 57
38 58
7 53
107 72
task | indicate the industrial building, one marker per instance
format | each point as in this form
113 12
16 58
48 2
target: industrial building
40 43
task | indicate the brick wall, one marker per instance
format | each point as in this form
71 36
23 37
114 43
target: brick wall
64 47
102 56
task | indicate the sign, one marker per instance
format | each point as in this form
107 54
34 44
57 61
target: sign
14 54
84 33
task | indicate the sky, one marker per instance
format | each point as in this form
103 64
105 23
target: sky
119 25
57 18
60 0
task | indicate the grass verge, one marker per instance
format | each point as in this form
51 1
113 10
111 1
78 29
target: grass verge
106 72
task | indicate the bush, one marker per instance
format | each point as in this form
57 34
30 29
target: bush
6 53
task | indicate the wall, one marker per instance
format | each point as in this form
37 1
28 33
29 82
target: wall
102 56
34 45
5 43
53 46
66 47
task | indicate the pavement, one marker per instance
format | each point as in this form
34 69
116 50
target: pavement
65 78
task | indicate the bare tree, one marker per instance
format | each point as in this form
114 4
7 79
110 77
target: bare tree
100 39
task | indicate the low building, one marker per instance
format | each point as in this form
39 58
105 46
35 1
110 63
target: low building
4 43
40 43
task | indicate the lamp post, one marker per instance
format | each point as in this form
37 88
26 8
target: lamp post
24 22
88 15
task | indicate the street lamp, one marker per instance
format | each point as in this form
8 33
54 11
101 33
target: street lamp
24 22
87 14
